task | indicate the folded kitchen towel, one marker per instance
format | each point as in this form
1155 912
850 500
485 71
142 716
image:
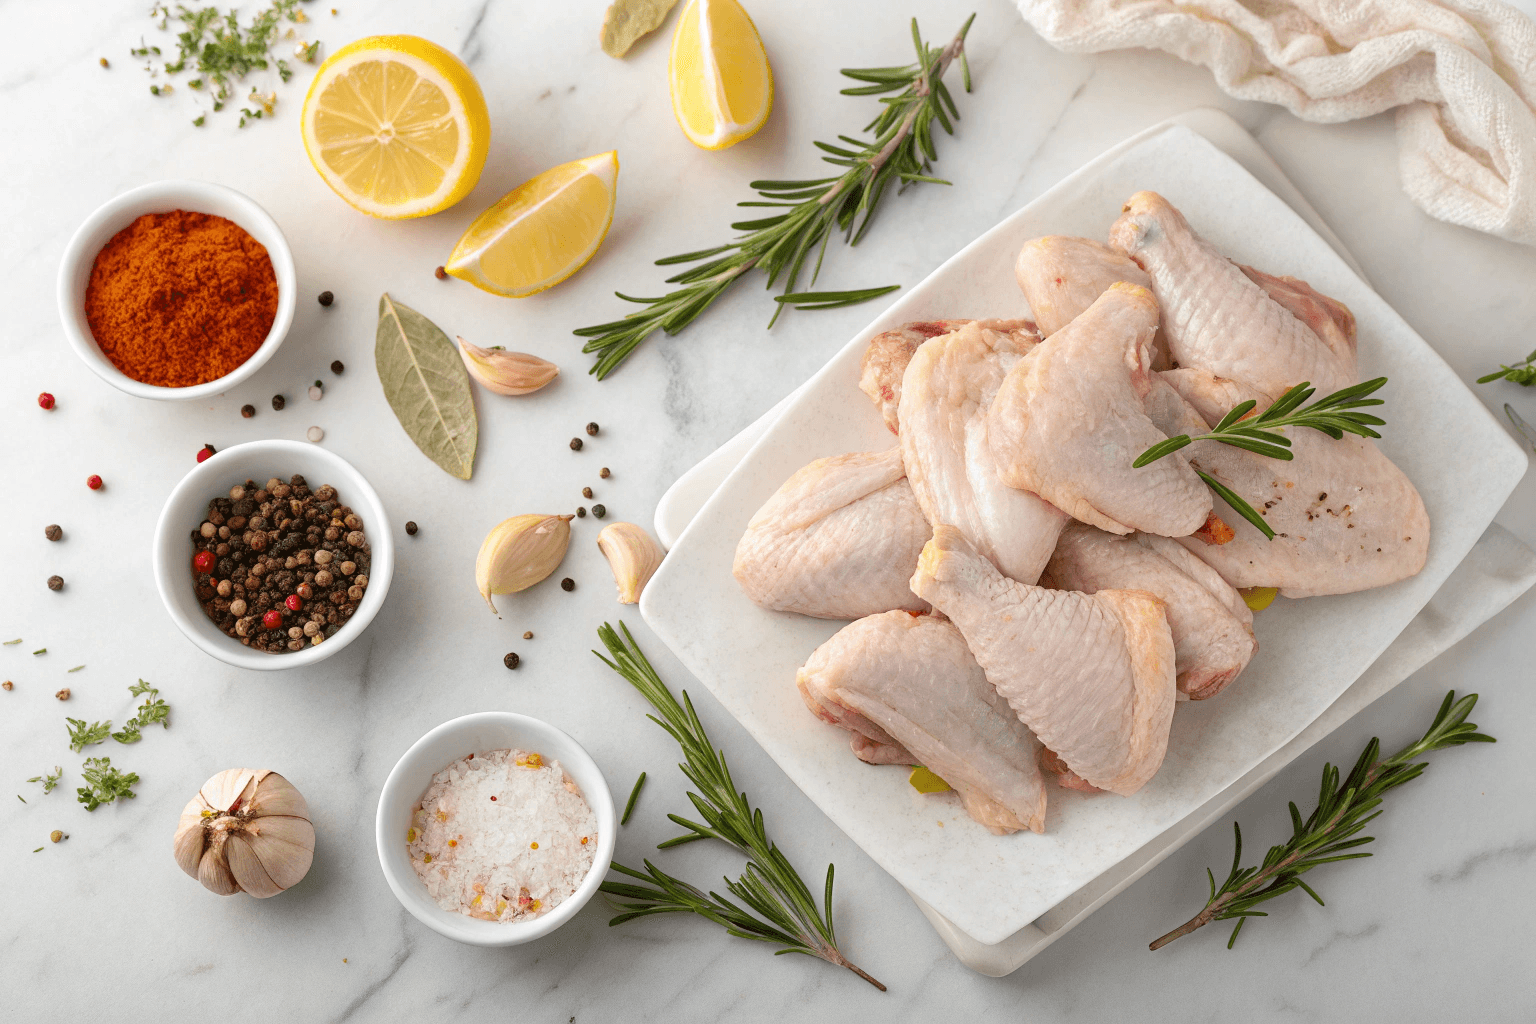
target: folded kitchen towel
1461 73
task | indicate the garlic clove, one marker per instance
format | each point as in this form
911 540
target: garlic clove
276 795
247 868
520 552
632 555
285 847
189 838
214 872
506 373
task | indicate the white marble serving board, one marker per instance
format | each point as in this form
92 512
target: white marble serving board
990 887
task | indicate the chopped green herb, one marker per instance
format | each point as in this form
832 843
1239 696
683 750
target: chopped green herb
21 798
48 781
106 783
82 735
77 668
213 44
129 733
197 122
12 643
153 711
38 850
40 650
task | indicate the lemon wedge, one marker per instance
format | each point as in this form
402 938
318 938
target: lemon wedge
722 87
541 232
397 126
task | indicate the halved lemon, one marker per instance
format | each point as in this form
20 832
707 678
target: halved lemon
541 232
722 86
397 126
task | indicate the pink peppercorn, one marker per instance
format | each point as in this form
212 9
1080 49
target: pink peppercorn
205 451
93 482
272 619
45 400
203 561
294 602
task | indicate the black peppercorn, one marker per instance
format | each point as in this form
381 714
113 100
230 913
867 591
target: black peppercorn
603 473
57 583
326 298
581 512
278 401
567 584
599 511
591 429
53 532
586 492
338 367
247 411
411 527
511 660
575 444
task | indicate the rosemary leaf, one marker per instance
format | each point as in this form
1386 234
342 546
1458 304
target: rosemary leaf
1343 809
900 150
778 906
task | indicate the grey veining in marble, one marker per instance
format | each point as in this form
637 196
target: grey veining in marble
104 925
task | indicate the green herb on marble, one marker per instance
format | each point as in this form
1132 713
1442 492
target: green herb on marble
898 153
48 781
1520 373
38 850
82 735
106 783
634 795
776 906
426 385
77 668
220 50
13 643
1343 809
40 650
154 711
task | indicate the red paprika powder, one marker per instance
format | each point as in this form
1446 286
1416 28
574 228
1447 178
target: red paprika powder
180 298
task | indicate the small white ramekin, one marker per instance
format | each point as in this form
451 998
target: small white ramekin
163 197
187 506
476 734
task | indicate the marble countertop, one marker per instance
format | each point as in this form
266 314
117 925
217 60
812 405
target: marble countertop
104 925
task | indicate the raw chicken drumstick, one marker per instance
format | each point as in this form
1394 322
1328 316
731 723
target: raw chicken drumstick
908 689
1092 675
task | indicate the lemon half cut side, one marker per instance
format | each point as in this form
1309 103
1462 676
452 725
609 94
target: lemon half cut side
541 232
722 85
397 126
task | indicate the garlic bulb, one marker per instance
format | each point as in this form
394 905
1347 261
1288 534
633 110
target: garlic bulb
520 552
506 373
247 830
632 556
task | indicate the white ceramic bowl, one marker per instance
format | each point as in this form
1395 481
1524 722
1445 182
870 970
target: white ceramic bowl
260 461
475 734
163 197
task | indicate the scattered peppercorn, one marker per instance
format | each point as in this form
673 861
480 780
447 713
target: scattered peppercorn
247 411
567 584
55 582
575 444
441 274
206 452
45 400
511 660
8 685
294 602
104 63
591 429
338 367
581 512
278 401
599 511
63 694
411 527
528 635
326 298
586 492
603 473
93 482
53 532
315 434
56 835
204 561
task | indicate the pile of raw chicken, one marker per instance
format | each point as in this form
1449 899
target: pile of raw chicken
1028 606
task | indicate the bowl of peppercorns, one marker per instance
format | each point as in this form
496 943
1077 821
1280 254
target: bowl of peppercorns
273 554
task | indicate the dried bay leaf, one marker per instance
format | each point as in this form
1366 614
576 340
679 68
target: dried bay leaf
628 20
427 386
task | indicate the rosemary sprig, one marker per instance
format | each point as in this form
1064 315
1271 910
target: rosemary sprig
1343 809
900 153
779 908
1520 373
1333 414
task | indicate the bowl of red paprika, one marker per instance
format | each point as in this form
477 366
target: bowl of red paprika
177 290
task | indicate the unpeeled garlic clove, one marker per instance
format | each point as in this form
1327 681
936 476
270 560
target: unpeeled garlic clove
247 830
632 556
520 552
506 373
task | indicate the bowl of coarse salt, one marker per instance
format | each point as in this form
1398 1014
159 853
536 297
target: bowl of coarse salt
495 829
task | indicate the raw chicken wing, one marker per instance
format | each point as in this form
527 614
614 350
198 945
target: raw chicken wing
1061 276
886 358
837 541
1091 674
908 682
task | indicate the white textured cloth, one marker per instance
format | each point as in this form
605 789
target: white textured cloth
1461 73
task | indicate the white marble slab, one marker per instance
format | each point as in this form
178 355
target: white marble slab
104 926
